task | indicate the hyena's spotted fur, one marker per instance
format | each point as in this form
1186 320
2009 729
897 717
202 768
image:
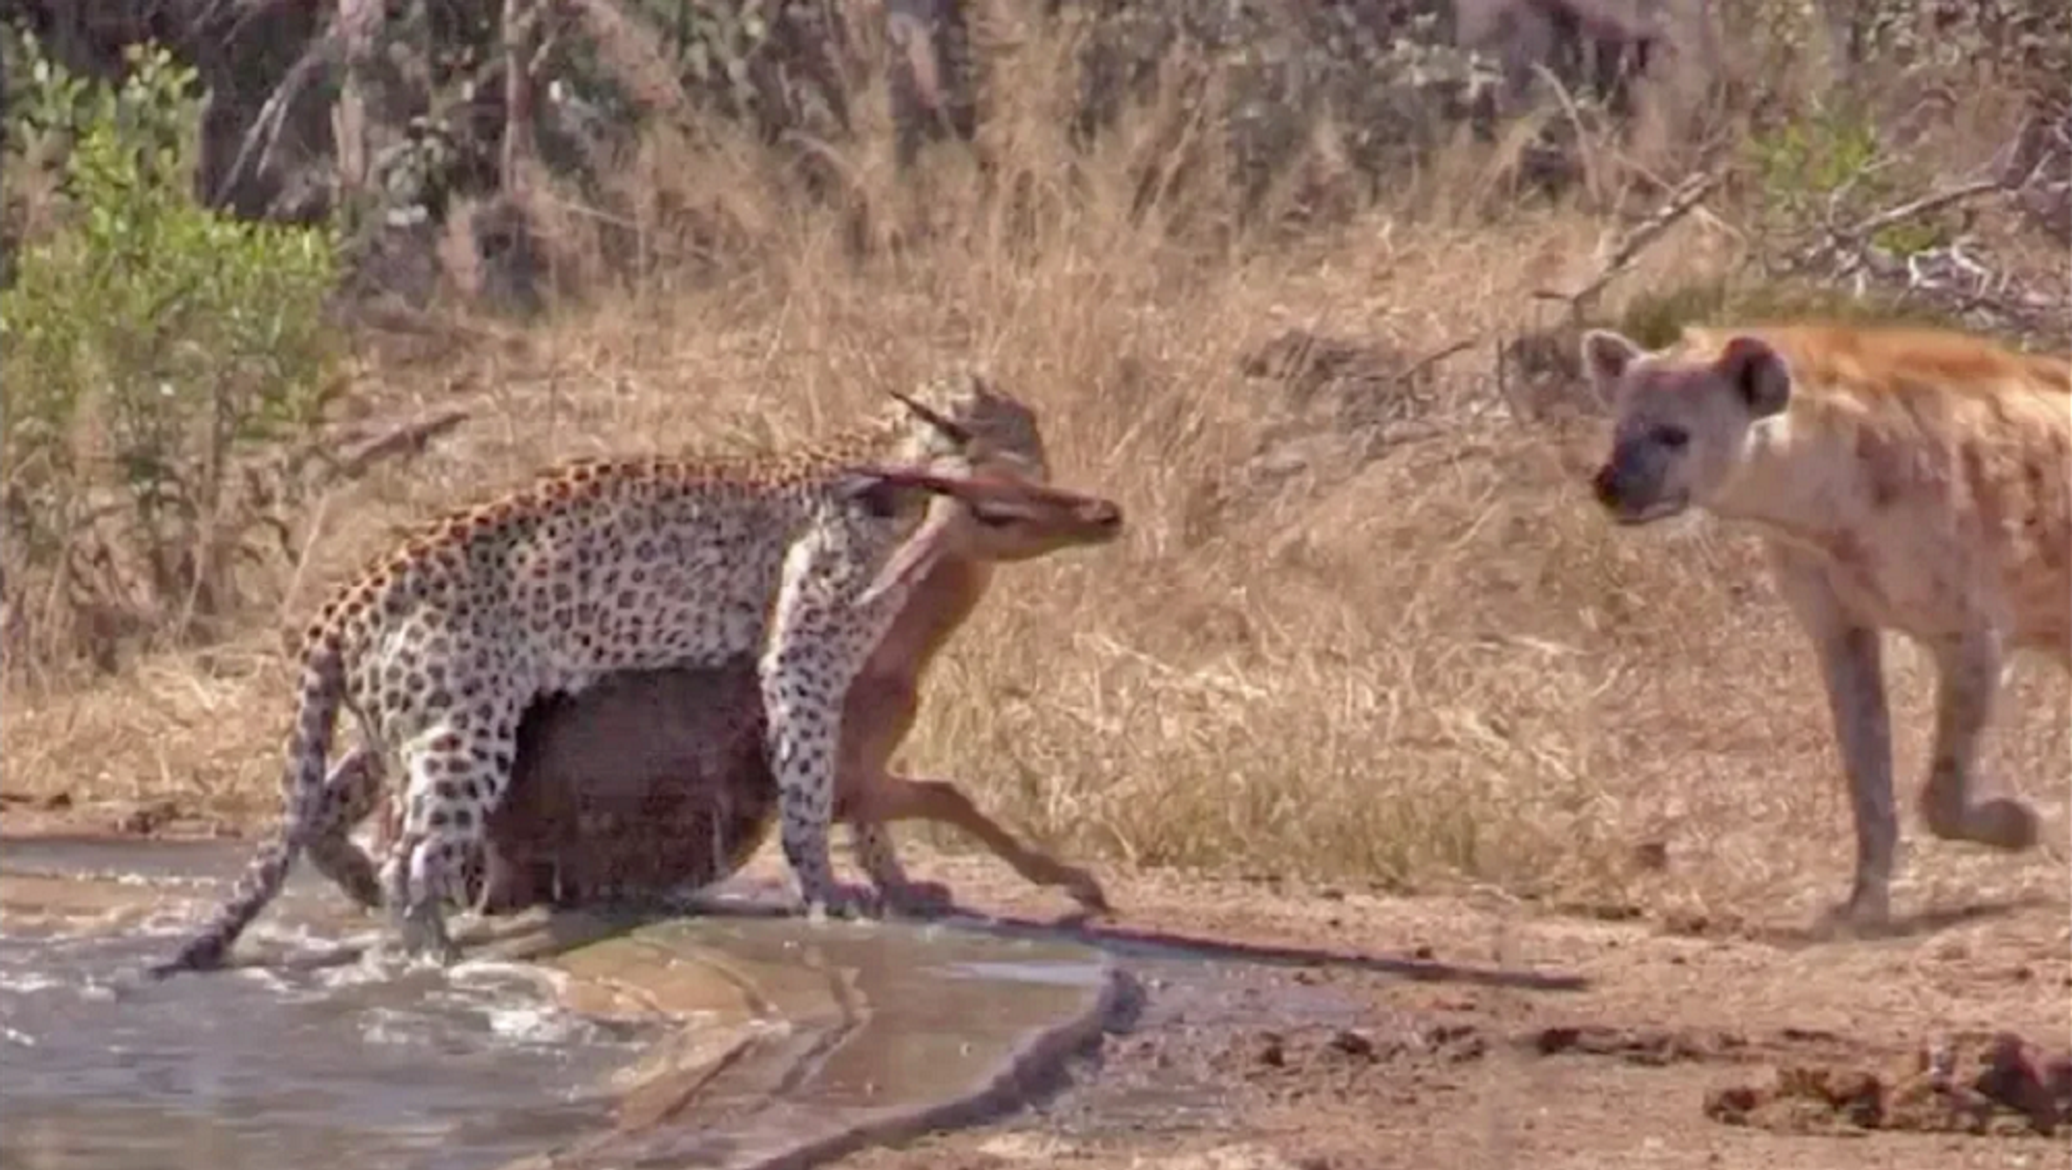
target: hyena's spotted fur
1906 479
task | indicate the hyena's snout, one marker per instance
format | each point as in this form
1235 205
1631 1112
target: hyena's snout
1630 486
1611 485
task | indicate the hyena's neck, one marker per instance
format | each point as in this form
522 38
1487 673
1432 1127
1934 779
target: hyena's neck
1792 481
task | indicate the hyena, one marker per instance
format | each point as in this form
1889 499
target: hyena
1908 479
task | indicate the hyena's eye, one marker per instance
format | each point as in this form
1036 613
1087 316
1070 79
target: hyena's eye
1673 437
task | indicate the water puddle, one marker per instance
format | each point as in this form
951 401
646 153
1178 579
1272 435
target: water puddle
727 1039
261 1067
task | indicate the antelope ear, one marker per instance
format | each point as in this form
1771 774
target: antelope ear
879 494
977 488
911 561
878 488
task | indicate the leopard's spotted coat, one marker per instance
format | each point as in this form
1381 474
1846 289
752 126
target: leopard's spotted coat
601 566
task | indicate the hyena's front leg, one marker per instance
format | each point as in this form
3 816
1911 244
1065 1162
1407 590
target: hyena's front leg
1968 680
1852 669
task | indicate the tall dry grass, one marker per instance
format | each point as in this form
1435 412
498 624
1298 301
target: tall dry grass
1440 667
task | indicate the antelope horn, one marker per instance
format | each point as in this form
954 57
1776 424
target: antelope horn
957 433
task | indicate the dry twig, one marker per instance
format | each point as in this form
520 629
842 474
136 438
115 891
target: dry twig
407 439
1687 195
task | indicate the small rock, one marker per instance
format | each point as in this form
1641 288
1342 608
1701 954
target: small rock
1732 1105
1685 922
1353 1044
1272 1052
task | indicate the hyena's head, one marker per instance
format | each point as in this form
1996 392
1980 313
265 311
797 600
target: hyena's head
1682 424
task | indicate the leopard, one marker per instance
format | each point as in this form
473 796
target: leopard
1902 477
801 557
652 780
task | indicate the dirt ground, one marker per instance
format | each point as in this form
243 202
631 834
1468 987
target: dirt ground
1476 1036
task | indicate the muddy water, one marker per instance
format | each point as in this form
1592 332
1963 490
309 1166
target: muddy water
732 1039
262 1067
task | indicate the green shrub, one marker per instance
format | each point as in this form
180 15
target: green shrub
153 352
1828 166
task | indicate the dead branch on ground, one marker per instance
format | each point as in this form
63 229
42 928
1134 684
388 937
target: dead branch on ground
405 440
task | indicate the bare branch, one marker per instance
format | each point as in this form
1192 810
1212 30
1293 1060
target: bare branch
517 20
1687 195
1919 207
408 439
1427 362
264 136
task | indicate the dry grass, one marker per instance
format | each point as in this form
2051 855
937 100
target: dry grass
1444 668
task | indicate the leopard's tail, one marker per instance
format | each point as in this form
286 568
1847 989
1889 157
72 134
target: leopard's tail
302 787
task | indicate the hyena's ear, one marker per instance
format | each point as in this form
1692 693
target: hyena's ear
1606 354
1758 373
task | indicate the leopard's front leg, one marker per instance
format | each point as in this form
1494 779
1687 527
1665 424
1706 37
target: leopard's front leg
819 640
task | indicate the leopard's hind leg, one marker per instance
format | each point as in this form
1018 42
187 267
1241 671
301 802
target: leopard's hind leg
458 772
352 789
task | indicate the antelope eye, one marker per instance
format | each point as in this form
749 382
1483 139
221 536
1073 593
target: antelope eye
993 519
1673 437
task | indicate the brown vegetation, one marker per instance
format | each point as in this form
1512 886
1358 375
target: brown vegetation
1418 659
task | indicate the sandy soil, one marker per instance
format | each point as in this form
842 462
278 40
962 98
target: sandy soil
1629 1043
